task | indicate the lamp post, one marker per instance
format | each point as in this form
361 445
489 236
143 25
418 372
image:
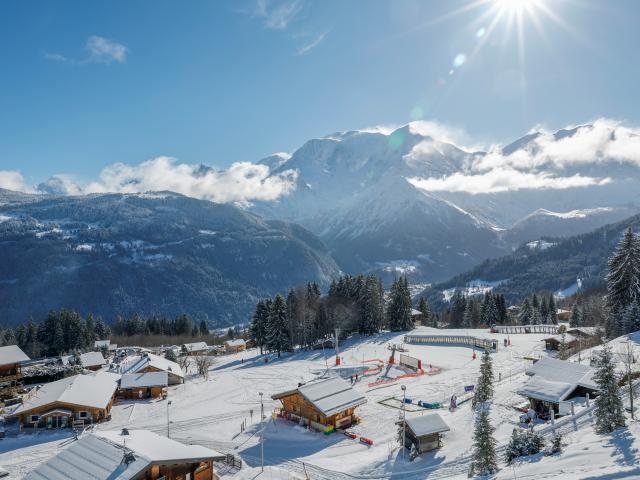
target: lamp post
404 425
168 422
261 434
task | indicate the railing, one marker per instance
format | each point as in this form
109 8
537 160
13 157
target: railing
464 340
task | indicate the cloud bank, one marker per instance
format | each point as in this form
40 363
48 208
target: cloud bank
99 50
545 161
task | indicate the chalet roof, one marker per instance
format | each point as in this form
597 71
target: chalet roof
329 396
238 342
101 343
195 347
415 312
92 390
558 338
12 354
99 456
427 424
584 331
554 370
155 361
547 390
92 359
149 379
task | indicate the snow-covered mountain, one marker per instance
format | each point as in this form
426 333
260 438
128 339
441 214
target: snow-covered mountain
407 200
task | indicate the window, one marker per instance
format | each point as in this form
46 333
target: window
83 414
34 418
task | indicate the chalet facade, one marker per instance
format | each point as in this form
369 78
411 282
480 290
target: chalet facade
139 386
417 317
73 401
554 342
235 346
149 362
11 359
322 404
425 432
197 348
129 455
92 361
554 383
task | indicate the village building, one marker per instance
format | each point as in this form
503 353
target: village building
11 359
425 432
149 362
73 401
417 317
554 383
129 455
197 348
322 404
92 361
235 346
554 342
100 344
139 386
563 315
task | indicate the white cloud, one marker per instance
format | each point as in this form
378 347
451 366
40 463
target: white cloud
242 182
306 48
99 50
277 16
503 180
13 180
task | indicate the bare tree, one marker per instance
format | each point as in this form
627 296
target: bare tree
203 363
626 354
184 362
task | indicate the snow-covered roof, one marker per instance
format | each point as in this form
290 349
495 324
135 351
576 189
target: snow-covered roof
155 361
101 343
427 424
554 370
329 396
238 342
586 331
547 390
149 379
567 338
195 347
92 390
12 354
415 312
100 455
92 359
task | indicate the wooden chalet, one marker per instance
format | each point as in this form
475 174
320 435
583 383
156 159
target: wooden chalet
554 342
149 362
92 361
129 455
196 348
417 317
425 432
235 346
11 359
554 383
73 401
139 386
322 404
563 315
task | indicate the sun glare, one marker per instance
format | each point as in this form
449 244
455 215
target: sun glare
517 6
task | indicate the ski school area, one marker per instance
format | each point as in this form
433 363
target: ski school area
332 413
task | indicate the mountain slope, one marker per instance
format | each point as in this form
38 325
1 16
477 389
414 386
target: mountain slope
557 265
158 253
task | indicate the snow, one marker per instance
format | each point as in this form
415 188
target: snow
570 290
5 218
207 232
12 354
331 396
238 342
427 424
92 359
540 245
581 213
154 361
547 390
563 371
209 411
84 247
149 379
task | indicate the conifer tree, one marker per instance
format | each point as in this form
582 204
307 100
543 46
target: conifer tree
259 324
171 355
399 308
458 306
278 339
526 313
631 318
552 311
425 309
467 318
608 405
484 388
623 280
576 316
484 461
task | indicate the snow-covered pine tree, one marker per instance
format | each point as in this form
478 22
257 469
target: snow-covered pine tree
467 318
484 388
623 279
576 316
425 309
171 355
552 311
631 317
608 405
278 339
456 311
372 307
258 326
399 308
526 313
563 351
484 461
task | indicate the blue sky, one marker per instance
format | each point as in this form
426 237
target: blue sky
85 84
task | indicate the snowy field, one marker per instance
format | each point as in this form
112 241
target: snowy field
210 412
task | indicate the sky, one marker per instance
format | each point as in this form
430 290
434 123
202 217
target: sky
85 84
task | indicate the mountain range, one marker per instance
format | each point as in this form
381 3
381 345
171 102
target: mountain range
156 253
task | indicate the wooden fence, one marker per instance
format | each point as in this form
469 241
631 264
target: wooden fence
462 340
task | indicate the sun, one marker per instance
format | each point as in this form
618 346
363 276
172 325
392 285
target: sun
517 6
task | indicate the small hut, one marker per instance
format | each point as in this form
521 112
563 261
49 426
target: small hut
425 432
322 404
417 317
92 361
139 386
235 346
